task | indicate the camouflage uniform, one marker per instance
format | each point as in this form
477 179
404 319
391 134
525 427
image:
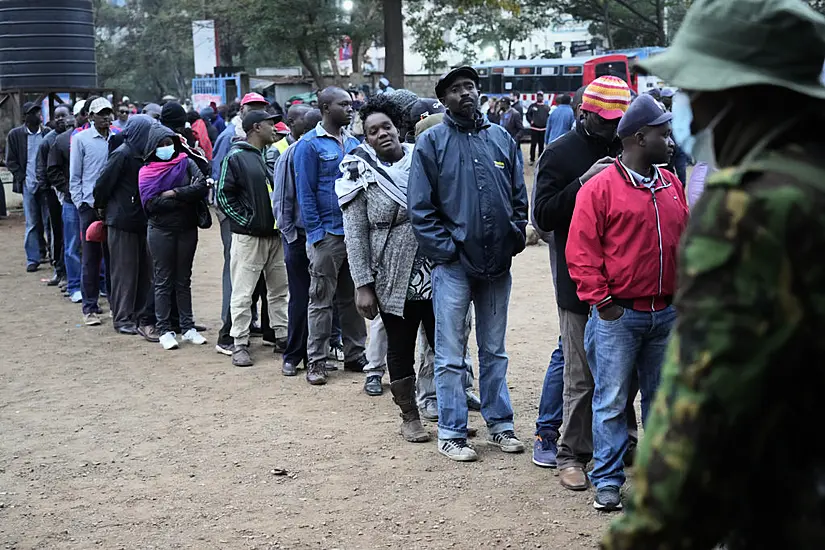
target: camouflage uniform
732 452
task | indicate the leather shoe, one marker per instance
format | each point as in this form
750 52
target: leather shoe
573 478
149 333
54 281
280 345
373 385
130 330
289 369
200 328
356 365
31 268
317 373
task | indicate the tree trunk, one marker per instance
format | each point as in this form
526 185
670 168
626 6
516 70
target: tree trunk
607 29
314 70
660 23
336 74
394 43
356 56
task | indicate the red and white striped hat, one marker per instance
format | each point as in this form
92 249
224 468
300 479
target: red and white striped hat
607 96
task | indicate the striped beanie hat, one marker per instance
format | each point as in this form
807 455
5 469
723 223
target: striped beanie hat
607 96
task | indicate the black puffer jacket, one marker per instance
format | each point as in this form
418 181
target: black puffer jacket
178 213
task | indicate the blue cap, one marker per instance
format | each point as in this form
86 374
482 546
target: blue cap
644 111
667 92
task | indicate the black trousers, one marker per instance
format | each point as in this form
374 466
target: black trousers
56 222
93 256
132 296
173 253
536 143
402 333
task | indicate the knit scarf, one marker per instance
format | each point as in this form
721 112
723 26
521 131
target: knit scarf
157 177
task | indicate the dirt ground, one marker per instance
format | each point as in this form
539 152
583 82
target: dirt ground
111 442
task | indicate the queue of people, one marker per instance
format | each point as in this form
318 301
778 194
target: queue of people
414 234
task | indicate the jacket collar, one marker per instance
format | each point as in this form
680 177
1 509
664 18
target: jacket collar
624 171
477 123
320 131
615 145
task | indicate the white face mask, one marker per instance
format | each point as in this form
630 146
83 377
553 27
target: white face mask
700 145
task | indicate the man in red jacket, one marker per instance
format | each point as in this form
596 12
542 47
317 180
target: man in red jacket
622 254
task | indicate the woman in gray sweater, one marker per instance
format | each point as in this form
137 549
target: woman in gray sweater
391 276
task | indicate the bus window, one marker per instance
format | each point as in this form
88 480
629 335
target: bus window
483 84
615 68
570 83
495 84
573 70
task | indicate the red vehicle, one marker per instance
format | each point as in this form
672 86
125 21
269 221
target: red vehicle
551 76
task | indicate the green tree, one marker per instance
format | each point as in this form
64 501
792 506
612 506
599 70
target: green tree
144 48
498 23
629 23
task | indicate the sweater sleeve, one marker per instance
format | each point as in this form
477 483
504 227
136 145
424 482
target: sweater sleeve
357 232
555 194
584 252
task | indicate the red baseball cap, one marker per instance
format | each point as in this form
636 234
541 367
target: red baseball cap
96 232
252 97
282 128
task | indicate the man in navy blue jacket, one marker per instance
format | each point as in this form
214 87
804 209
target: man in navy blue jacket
468 206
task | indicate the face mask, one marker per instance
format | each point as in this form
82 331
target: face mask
165 153
701 145
682 118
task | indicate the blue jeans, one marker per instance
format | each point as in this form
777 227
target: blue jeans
37 215
452 293
637 340
71 246
550 404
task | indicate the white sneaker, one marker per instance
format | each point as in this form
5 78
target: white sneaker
506 441
169 340
76 297
457 449
91 319
194 337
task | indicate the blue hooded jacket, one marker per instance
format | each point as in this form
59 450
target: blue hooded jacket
466 196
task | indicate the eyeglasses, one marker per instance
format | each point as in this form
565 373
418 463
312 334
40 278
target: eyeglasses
123 112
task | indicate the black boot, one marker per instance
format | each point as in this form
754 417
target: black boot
403 393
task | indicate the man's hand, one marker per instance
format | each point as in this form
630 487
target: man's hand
611 313
170 194
597 167
366 302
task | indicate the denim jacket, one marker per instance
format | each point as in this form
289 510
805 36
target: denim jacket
317 156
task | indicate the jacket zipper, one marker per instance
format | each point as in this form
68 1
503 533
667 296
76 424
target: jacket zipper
661 252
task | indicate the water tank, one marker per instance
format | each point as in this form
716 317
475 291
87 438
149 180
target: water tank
47 45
